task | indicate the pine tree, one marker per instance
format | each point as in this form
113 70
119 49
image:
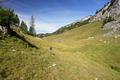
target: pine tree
7 18
17 21
32 26
24 27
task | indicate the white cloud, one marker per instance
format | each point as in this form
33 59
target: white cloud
51 21
41 27
46 27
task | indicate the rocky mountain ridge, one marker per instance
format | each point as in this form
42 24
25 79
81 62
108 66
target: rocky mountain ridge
111 9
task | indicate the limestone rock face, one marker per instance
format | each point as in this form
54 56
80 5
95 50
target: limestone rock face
101 14
114 9
1 29
110 9
113 28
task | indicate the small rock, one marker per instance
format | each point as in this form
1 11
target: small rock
13 50
54 65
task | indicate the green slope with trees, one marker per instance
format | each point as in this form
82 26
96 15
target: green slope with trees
77 52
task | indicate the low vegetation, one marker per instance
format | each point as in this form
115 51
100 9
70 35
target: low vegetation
87 54
65 28
19 61
75 52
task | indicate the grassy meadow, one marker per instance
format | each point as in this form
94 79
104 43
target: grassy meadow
82 53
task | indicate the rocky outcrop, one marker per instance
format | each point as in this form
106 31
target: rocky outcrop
101 14
112 28
1 30
112 9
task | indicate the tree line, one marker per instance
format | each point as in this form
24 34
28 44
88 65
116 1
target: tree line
8 18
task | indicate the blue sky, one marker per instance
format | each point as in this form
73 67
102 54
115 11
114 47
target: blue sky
52 14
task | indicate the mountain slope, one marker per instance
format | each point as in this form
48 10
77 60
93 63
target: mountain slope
110 13
68 27
20 61
82 32
85 54
80 53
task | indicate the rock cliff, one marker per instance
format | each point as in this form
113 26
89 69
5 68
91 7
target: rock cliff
111 9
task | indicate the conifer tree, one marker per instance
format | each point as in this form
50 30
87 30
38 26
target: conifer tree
32 26
24 27
17 21
7 19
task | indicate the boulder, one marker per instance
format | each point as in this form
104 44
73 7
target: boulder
1 29
112 28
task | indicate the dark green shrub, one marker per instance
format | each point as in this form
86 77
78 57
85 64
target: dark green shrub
103 12
8 18
107 19
24 27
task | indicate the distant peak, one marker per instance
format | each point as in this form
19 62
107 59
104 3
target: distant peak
86 18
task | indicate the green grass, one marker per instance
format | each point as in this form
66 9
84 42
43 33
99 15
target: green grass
78 54
86 58
83 32
19 61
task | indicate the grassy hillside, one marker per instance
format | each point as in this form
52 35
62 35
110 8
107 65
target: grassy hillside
83 32
84 54
65 28
78 54
19 61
